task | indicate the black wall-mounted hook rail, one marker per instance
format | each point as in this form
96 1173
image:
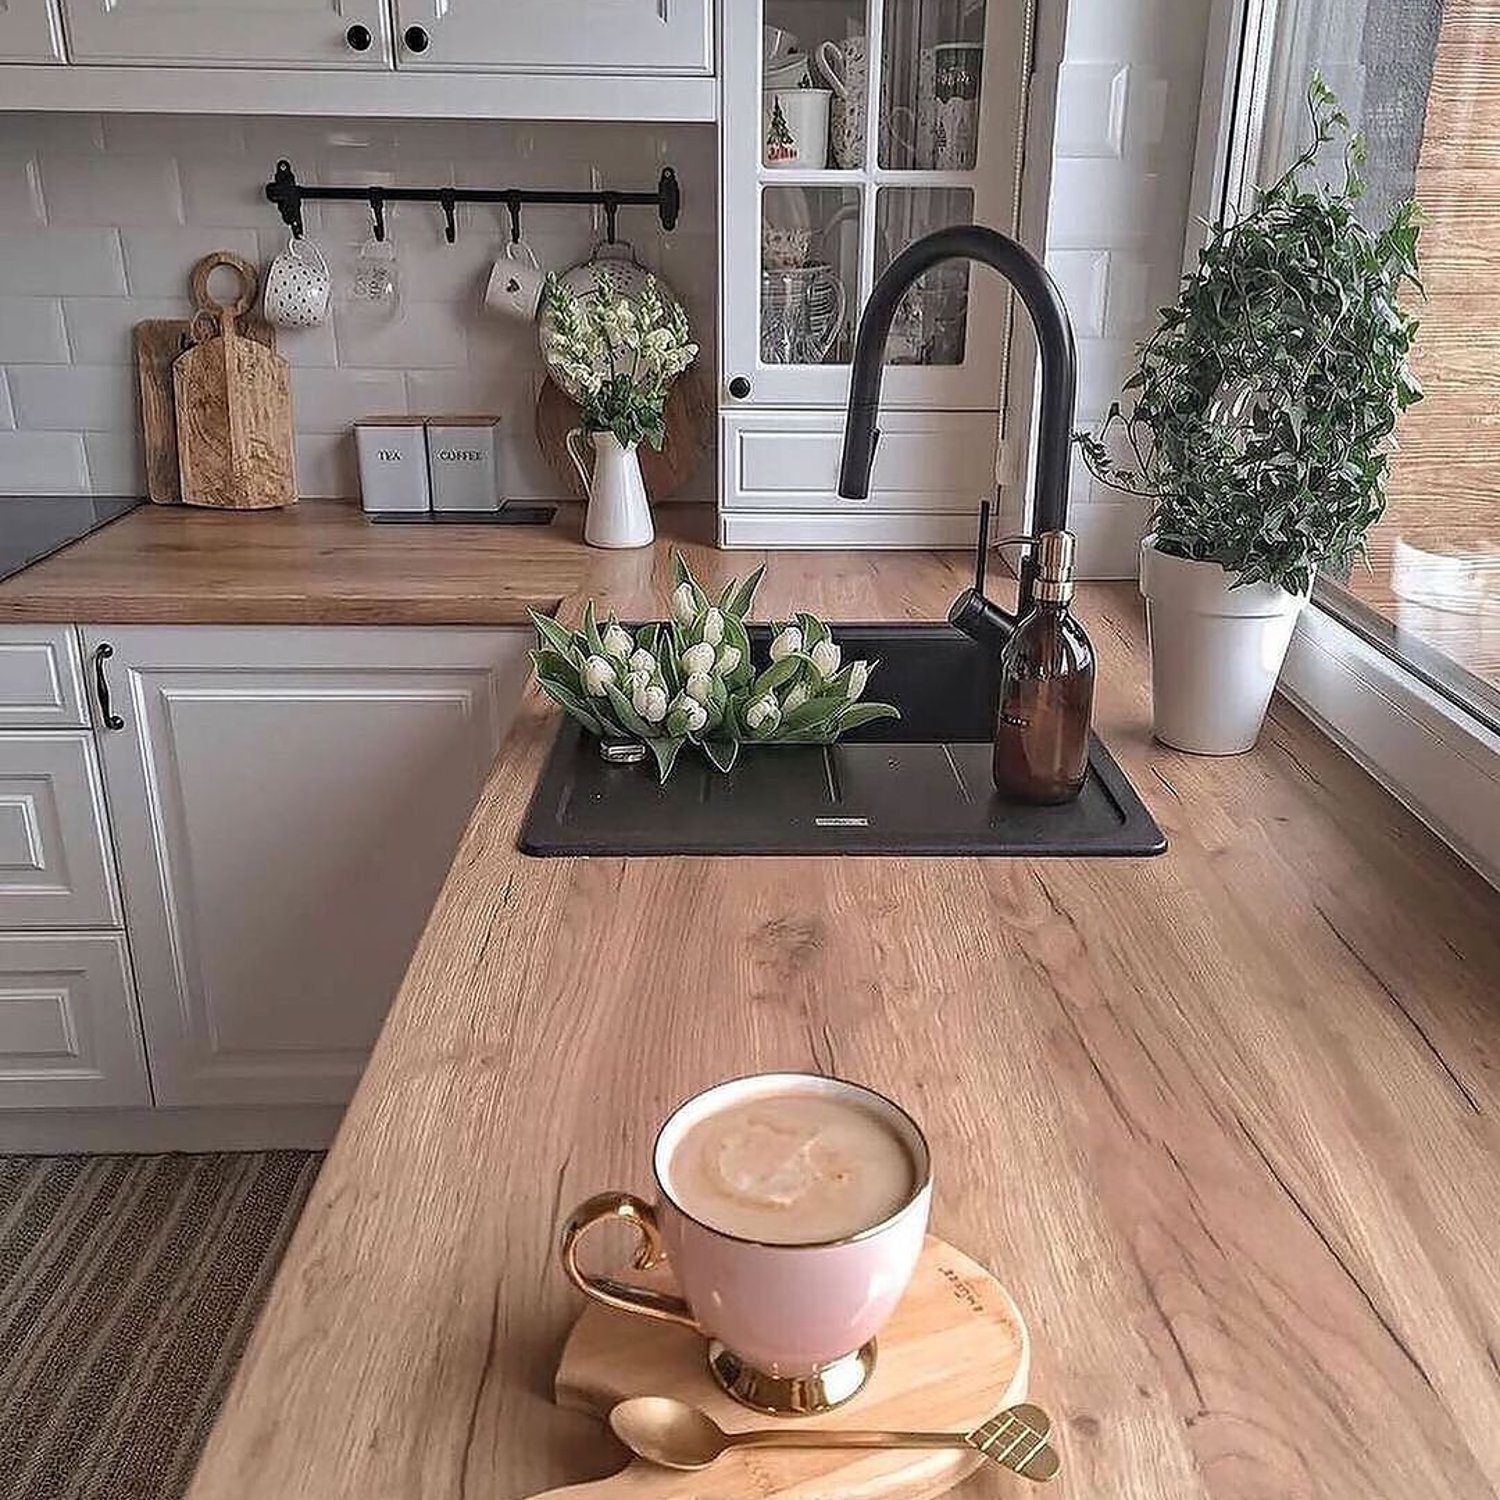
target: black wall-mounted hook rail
289 195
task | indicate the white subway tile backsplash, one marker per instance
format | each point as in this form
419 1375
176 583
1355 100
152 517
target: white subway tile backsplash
73 398
55 262
326 467
1096 204
111 191
158 262
91 244
42 463
421 336
115 463
331 400
32 331
1083 278
20 190
100 328
1091 102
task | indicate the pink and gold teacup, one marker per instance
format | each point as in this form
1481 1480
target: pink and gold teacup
791 1326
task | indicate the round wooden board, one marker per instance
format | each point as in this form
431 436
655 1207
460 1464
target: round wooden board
955 1352
688 418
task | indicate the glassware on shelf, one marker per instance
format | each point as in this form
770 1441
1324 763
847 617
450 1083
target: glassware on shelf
931 82
802 311
931 323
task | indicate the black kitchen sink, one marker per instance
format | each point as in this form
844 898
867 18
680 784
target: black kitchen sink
919 785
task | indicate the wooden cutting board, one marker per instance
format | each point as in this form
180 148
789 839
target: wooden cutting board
158 342
234 405
955 1352
689 419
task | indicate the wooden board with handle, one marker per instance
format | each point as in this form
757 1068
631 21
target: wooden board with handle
955 1353
234 404
158 342
689 419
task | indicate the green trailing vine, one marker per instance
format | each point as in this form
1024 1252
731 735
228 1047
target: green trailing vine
1262 407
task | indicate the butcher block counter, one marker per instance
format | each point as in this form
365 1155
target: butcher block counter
1224 1121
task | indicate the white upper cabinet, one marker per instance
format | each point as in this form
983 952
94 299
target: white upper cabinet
247 33
30 31
601 36
286 804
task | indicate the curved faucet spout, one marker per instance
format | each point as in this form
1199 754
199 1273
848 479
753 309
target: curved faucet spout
1054 335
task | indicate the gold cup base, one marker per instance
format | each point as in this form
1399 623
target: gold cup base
792 1395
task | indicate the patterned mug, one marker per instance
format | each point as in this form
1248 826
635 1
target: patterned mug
297 286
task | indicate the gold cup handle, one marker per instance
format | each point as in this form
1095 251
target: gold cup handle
626 1208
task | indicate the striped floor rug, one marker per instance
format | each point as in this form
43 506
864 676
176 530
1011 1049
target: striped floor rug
128 1286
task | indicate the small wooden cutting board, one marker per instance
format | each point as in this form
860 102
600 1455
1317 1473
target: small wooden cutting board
955 1352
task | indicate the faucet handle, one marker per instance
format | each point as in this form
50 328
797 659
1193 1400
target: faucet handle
982 555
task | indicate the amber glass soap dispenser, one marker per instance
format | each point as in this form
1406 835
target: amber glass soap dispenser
1046 686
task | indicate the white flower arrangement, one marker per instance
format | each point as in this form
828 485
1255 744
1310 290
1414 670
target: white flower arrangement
620 356
691 679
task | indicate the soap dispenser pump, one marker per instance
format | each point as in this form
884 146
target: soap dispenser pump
1046 685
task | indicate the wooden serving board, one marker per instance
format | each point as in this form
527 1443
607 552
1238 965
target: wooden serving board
689 421
955 1352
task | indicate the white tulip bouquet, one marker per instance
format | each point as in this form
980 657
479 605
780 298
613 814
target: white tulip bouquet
691 679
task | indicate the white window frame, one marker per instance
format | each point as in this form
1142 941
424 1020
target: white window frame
1439 760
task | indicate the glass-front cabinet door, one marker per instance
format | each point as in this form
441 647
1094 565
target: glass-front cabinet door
852 128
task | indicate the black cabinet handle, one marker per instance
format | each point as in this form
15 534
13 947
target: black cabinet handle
102 653
358 37
417 39
739 387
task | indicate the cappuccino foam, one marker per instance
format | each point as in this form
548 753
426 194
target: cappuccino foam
790 1169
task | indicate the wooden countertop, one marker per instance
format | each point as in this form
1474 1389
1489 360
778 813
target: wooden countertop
318 563
1224 1121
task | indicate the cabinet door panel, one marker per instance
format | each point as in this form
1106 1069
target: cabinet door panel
54 841
244 33
287 803
626 36
30 31
69 1036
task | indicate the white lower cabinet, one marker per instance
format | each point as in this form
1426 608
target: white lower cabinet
30 32
286 803
69 1035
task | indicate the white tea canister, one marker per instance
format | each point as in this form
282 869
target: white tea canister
463 464
297 285
393 465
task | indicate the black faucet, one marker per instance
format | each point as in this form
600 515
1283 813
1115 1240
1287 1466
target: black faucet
972 612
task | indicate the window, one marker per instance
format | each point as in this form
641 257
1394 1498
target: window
1421 80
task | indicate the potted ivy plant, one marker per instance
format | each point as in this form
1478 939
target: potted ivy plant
1258 426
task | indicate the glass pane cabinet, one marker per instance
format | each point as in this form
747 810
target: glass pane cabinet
850 129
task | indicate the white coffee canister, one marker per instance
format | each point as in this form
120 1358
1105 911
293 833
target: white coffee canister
1216 651
393 465
463 464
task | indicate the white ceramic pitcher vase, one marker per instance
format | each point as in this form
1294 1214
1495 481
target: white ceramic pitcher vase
619 513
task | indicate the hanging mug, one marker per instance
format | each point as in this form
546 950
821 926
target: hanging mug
516 283
297 286
794 127
847 70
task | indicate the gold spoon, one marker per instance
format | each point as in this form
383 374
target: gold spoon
676 1435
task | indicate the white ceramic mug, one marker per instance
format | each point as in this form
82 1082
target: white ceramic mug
794 127
516 283
957 75
847 71
783 1318
297 286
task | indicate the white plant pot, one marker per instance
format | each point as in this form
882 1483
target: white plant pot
1216 651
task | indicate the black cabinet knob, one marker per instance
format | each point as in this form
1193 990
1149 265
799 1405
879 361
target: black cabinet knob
358 37
739 387
416 39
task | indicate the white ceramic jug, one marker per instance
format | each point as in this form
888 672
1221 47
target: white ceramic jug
619 513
